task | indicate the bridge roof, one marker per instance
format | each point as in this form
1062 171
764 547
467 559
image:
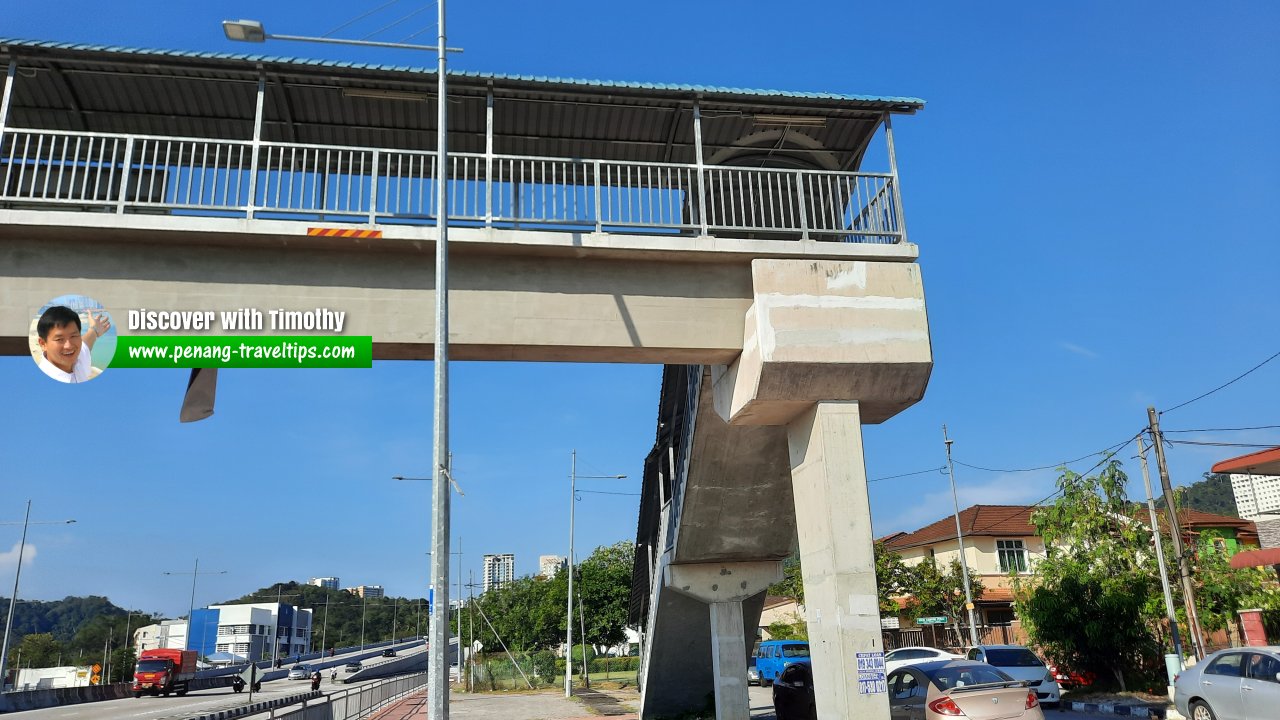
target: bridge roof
896 104
100 88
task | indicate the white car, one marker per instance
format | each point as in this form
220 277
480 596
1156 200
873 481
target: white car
1020 663
902 657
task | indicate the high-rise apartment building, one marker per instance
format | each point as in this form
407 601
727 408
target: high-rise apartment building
1257 496
324 582
367 591
498 570
549 565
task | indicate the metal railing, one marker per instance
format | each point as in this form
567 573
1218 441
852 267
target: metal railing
357 702
327 183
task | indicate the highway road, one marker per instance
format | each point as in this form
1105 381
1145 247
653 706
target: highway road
204 701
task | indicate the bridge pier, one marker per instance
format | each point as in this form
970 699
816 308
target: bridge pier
833 527
724 586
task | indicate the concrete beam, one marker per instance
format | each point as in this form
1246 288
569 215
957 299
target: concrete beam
503 307
714 582
828 330
833 521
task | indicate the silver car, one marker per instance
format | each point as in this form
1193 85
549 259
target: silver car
1235 684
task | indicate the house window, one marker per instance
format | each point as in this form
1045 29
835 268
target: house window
1013 556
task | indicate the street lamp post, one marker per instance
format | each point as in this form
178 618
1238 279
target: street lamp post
568 635
964 563
437 673
13 599
195 573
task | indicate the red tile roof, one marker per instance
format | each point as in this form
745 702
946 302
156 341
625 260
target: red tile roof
1263 462
978 520
1015 521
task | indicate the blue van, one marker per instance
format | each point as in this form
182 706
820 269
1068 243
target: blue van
774 655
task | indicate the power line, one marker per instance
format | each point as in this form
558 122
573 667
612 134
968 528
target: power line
1051 466
1218 444
1220 387
353 21
918 472
384 28
1108 454
1235 429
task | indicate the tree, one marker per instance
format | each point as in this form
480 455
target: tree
934 592
606 592
1222 591
1089 603
893 578
39 650
792 583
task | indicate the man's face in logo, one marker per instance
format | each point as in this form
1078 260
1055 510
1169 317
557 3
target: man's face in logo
62 346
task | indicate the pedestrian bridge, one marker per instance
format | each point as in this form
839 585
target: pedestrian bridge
751 241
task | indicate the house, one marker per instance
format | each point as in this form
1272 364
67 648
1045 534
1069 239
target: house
1001 542
778 608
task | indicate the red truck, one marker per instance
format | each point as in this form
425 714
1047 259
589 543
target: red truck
162 671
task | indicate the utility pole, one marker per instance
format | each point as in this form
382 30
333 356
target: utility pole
1164 572
568 633
964 563
471 629
1184 561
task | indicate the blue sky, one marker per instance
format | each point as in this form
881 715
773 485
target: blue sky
1092 185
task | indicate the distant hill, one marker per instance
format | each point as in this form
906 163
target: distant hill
61 618
1212 494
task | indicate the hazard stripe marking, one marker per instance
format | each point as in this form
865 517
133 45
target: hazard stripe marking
343 232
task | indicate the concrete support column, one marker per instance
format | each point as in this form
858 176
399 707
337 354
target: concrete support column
729 661
833 524
723 586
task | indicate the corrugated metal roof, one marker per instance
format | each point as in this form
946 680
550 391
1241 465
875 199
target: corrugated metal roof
78 86
909 102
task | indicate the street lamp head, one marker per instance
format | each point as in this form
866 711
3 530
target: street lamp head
244 30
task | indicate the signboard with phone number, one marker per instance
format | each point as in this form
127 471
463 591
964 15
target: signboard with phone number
871 673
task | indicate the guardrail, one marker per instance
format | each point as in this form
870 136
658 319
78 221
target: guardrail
357 702
129 173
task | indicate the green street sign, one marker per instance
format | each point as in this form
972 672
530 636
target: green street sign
931 621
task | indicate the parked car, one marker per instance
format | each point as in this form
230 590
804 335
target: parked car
300 672
1068 678
1021 664
902 657
353 666
935 690
773 655
389 652
1236 684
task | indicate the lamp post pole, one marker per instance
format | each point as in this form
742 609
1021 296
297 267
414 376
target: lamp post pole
13 599
195 573
573 494
437 672
964 562
568 633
